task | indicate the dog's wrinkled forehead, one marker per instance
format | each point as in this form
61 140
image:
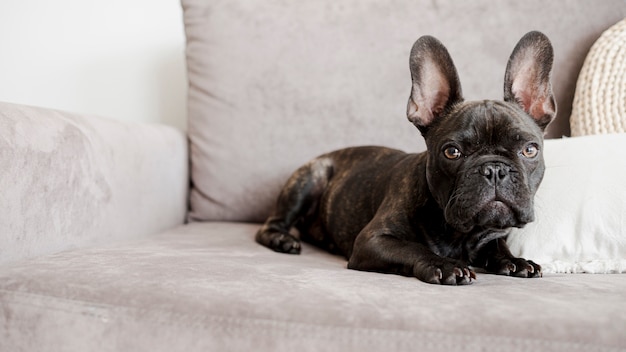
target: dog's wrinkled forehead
487 121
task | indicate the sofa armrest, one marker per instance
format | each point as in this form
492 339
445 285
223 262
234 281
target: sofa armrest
69 181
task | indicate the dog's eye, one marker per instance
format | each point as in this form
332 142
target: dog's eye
530 151
452 153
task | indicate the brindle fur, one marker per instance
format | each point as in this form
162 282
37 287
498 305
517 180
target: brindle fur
424 215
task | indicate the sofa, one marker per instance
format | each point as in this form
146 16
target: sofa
118 236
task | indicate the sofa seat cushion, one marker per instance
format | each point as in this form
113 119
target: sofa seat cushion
209 286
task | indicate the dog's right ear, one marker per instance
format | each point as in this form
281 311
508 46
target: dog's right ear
436 85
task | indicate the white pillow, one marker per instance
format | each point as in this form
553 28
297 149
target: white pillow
580 208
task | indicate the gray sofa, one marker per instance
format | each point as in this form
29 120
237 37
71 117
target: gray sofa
130 237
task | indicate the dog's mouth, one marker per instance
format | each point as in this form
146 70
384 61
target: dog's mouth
489 195
497 214
492 213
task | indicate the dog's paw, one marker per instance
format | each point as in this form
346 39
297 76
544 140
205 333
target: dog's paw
446 272
285 243
518 267
279 242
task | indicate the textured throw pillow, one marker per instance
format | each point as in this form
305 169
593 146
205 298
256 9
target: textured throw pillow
275 83
580 208
600 100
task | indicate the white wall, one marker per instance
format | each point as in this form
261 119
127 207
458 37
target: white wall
122 59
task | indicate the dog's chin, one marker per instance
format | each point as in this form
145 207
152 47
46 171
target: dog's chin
495 215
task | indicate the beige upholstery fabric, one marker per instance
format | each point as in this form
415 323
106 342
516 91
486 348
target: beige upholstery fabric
210 287
274 83
68 180
600 101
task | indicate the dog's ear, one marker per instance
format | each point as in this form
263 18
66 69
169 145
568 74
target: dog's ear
527 78
436 85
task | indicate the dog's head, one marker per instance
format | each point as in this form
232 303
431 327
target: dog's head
484 157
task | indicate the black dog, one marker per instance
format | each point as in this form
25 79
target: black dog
436 214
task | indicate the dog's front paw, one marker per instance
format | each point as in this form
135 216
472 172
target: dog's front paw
518 267
445 272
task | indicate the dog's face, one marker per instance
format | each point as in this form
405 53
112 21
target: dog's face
485 158
484 165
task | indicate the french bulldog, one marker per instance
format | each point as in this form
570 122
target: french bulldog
441 214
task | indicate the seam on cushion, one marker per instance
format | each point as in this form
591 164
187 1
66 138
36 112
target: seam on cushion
291 329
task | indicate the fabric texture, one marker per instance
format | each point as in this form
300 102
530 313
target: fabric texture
580 208
600 100
69 180
210 287
275 83
272 84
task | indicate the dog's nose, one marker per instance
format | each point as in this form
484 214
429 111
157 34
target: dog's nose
495 172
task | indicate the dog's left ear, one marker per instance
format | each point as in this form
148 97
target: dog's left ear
527 78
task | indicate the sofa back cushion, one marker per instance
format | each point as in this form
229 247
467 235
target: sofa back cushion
275 83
